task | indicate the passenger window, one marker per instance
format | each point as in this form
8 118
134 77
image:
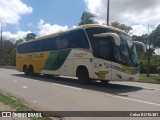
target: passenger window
104 50
78 39
62 42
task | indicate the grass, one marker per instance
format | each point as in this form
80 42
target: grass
154 78
18 105
8 67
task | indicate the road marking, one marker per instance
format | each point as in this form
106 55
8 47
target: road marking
150 88
34 101
24 87
135 100
67 86
15 81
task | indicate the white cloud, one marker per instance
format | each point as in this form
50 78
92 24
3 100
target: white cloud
139 30
11 11
157 51
13 37
46 28
30 24
129 12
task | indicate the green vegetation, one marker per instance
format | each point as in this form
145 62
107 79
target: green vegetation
9 50
121 26
154 78
30 36
13 102
87 18
8 67
17 104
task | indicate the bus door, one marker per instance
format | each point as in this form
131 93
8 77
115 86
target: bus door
102 63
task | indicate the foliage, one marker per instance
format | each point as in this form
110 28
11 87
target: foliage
121 26
19 41
149 59
30 36
154 78
87 18
8 53
155 37
18 104
154 63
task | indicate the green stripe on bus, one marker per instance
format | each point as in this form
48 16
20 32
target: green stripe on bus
56 59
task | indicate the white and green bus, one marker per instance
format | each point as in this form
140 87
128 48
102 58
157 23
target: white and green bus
88 52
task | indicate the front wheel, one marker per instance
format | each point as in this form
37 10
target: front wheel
104 81
83 75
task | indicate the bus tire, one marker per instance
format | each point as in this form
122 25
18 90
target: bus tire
104 81
31 70
83 75
48 76
25 70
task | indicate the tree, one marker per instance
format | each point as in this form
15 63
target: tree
19 41
145 58
30 36
152 42
155 37
9 53
121 26
87 18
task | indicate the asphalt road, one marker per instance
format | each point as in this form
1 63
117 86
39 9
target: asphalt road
67 94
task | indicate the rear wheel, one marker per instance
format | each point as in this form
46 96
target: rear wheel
25 70
31 70
83 75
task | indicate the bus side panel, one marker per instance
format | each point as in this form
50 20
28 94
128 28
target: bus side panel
67 68
37 60
56 62
124 73
76 57
82 58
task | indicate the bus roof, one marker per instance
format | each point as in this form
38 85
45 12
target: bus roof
104 26
79 27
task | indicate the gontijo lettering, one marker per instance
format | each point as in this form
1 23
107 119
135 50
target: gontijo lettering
31 56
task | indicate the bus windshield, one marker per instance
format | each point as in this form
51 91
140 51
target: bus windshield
124 54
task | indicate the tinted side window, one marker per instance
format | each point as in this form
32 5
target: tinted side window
78 39
62 41
47 44
103 48
95 30
37 46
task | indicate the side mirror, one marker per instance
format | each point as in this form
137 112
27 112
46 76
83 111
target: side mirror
114 35
142 44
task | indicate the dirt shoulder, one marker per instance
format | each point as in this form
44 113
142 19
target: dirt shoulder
4 107
9 102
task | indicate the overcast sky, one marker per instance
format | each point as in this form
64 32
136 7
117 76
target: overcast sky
20 17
